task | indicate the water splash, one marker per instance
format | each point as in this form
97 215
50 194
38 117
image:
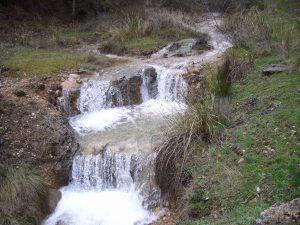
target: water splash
93 96
106 185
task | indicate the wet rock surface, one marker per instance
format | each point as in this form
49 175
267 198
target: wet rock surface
129 89
288 213
151 83
188 47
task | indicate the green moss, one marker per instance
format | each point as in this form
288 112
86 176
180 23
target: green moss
34 62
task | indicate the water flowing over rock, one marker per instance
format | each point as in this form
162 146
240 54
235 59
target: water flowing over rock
149 87
105 171
122 117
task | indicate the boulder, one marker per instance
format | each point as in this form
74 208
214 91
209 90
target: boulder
53 199
288 213
128 89
275 68
188 47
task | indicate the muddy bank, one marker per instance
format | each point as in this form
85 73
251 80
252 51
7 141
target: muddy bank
32 129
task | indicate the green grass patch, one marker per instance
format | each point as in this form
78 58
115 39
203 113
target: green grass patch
23 196
35 62
143 45
241 215
268 141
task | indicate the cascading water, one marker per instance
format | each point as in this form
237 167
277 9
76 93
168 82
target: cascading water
113 179
116 186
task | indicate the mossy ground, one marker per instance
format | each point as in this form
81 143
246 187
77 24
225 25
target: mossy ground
30 62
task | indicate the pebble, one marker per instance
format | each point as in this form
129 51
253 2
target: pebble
241 160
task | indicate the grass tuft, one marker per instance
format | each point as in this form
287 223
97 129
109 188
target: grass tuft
193 127
23 196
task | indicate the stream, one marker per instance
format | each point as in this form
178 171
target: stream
123 112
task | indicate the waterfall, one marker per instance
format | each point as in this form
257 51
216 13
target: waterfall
102 172
117 185
109 189
117 171
171 84
166 84
93 96
98 94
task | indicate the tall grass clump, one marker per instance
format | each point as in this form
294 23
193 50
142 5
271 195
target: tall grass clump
196 126
265 32
250 29
22 196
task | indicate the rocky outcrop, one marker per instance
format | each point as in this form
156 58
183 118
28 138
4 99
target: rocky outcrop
275 68
70 94
288 213
188 47
33 131
129 90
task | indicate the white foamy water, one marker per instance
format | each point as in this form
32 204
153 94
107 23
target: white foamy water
107 119
100 120
102 192
109 207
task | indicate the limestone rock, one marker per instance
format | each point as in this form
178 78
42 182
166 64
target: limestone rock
275 68
288 213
